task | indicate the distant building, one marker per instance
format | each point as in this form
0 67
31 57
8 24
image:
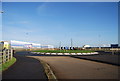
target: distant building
27 45
19 44
66 48
47 46
34 45
114 45
86 46
5 44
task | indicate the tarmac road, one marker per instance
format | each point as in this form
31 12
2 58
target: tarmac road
66 67
103 57
25 68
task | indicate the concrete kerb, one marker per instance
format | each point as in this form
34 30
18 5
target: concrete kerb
50 75
92 53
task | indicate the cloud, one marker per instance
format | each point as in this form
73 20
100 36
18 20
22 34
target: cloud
24 22
42 9
15 32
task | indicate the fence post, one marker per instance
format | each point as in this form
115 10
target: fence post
0 57
8 55
4 56
11 54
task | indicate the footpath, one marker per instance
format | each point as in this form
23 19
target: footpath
25 68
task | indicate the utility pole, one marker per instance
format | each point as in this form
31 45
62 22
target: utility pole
99 42
71 44
60 45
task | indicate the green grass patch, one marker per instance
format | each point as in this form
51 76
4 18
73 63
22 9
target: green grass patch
7 64
64 51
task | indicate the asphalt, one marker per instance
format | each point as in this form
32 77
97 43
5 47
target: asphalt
102 66
103 57
65 67
25 68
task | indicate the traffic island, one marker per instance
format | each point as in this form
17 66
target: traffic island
65 52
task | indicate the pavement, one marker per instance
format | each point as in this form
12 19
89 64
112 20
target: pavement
25 68
65 67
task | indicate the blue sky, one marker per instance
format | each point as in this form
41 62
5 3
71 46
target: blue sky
0 21
51 22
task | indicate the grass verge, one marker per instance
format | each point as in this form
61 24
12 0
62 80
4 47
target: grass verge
7 64
64 51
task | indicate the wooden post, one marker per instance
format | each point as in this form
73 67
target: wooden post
0 57
4 56
11 54
8 55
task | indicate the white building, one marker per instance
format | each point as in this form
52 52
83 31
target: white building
47 46
86 46
21 44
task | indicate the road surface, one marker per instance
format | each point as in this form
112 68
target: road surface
102 57
66 67
25 68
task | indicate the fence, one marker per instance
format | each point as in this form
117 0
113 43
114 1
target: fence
6 55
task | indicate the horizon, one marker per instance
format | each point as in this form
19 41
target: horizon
91 23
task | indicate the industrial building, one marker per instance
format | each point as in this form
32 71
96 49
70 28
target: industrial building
114 45
4 45
23 45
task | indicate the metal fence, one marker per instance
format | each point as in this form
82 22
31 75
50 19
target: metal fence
6 55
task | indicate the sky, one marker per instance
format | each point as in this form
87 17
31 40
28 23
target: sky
0 21
91 23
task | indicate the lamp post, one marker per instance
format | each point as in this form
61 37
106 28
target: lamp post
99 42
1 7
27 46
71 44
60 46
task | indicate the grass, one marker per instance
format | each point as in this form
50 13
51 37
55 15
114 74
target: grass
7 64
64 51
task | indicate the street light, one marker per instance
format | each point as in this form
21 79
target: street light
60 45
1 6
1 11
99 42
71 44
